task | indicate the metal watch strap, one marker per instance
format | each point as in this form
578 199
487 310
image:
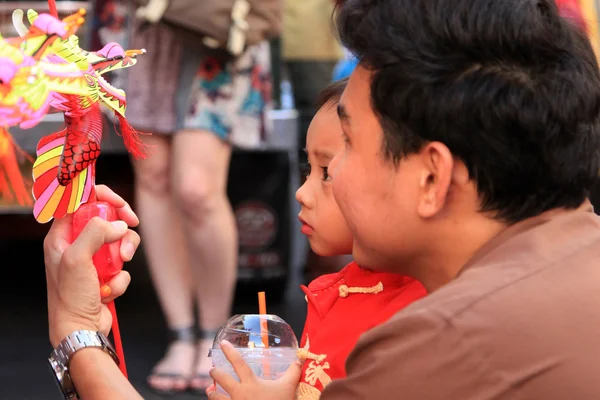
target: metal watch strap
61 356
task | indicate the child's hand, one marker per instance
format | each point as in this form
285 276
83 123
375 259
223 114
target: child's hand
251 386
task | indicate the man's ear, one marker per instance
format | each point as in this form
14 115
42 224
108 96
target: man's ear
437 165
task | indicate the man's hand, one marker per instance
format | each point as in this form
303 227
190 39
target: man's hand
250 386
74 301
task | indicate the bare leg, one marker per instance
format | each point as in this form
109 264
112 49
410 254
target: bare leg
201 165
166 253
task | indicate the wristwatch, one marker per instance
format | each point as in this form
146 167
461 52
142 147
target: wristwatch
61 356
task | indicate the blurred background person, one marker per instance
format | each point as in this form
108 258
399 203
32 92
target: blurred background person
197 105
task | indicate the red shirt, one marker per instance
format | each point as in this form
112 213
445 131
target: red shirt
341 307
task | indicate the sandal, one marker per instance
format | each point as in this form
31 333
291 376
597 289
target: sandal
184 335
201 381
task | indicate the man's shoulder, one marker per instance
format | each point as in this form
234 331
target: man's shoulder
516 289
505 325
517 334
517 307
549 261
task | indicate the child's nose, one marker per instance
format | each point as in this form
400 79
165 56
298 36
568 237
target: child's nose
303 196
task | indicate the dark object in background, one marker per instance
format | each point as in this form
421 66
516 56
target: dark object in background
259 192
595 197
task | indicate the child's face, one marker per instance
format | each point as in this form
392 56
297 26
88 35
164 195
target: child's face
321 218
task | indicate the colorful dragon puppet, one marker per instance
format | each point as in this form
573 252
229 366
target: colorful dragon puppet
12 186
22 77
64 171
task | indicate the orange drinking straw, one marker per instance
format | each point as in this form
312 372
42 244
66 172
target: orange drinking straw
262 309
264 329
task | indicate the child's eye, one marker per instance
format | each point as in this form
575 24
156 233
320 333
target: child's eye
326 176
305 169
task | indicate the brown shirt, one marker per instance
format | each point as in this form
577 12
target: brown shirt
521 321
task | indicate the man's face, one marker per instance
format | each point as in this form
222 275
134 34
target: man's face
376 197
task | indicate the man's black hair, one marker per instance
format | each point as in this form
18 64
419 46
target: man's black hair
509 86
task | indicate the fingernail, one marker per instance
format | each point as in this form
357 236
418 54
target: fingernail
128 251
119 225
225 343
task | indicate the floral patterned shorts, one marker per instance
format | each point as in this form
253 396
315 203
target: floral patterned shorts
230 99
173 88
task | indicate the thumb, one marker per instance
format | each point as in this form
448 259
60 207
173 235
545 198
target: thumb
292 375
96 233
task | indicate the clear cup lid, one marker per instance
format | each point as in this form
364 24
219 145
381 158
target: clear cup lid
256 331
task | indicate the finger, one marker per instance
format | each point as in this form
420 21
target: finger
126 214
234 357
217 396
117 286
226 381
104 193
211 388
129 245
96 233
292 375
124 211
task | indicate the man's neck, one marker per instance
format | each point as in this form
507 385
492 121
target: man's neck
454 244
452 248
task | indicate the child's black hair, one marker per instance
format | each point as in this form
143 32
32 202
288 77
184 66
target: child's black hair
332 93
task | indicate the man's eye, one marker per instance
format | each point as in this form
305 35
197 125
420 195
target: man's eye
345 138
326 176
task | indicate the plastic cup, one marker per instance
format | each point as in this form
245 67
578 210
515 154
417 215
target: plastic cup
244 333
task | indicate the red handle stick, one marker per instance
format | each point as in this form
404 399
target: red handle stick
107 260
52 5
